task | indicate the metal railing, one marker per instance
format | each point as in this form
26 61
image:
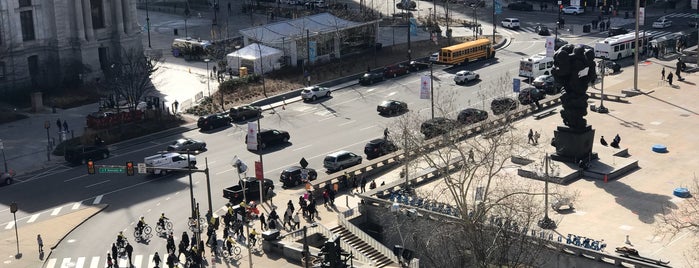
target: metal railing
375 244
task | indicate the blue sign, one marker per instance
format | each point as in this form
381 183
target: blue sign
498 7
312 51
515 85
413 26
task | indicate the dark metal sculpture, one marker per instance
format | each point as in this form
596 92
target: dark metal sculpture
574 68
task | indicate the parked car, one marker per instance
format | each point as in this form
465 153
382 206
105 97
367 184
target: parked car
612 66
269 137
502 105
341 160
547 83
292 176
437 126
418 65
616 31
379 147
7 178
521 5
79 155
530 95
391 107
662 22
396 70
471 115
186 144
465 76
213 121
411 5
512 23
542 30
316 3
575 10
314 92
243 113
371 77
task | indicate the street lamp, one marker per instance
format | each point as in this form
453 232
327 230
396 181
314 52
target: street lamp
207 76
602 109
148 24
546 222
2 147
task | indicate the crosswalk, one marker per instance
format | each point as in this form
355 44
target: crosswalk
680 15
139 261
53 212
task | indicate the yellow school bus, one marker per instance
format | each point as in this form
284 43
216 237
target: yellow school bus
467 51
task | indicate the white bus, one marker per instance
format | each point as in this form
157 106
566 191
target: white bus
620 46
536 65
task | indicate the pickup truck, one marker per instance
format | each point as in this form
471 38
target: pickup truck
234 194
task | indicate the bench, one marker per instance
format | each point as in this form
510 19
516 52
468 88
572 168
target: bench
609 97
544 114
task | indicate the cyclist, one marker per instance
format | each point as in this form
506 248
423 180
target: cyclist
229 244
141 224
161 221
120 239
253 240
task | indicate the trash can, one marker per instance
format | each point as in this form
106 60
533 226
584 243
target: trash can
586 28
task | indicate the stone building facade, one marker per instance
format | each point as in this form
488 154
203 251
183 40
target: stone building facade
45 44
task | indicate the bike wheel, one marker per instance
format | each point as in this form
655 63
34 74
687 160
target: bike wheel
236 251
136 234
159 229
168 225
147 230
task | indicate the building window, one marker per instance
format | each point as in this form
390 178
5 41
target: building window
97 14
27 20
104 57
2 71
25 3
33 62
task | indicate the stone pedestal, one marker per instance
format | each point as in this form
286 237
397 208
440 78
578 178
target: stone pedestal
573 145
37 102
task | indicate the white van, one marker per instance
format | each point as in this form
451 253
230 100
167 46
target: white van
512 23
168 160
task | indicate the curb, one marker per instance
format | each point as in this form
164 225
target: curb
48 256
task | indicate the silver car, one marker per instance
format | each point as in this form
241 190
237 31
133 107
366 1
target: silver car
186 144
314 92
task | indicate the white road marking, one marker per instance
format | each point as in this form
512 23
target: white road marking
227 170
80 262
301 148
76 205
95 262
75 178
369 127
56 211
391 94
51 263
33 218
371 89
347 123
9 225
98 199
94 184
65 263
137 261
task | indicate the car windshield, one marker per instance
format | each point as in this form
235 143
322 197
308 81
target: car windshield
305 91
329 159
386 103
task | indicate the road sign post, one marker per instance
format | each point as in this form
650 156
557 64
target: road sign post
142 168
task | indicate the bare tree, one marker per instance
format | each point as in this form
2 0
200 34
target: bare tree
129 78
684 219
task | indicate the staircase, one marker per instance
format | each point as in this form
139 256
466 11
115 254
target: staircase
365 249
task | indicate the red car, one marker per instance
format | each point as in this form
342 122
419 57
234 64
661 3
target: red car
396 70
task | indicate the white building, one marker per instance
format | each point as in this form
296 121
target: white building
48 43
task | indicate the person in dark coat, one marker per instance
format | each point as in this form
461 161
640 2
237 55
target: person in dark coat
263 223
363 184
129 252
185 239
156 260
171 260
669 78
602 141
110 262
114 251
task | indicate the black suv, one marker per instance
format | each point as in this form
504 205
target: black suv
471 115
270 136
502 105
292 176
81 154
371 77
617 31
530 95
210 122
379 147
243 113
436 126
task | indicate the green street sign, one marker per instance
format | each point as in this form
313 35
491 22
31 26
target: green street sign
111 170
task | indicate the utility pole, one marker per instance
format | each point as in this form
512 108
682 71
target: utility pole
635 54
148 24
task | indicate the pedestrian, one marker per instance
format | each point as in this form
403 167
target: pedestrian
185 239
213 71
183 249
662 74
156 260
669 78
297 221
110 263
171 260
678 73
363 184
372 185
129 251
617 139
531 136
114 251
332 197
58 124
290 205
263 224
602 141
40 242
536 137
287 220
326 197
354 182
385 134
65 125
470 155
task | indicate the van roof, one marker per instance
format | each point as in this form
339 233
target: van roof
157 156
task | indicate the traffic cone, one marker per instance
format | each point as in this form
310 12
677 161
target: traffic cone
605 178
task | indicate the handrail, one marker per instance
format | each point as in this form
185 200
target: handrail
325 231
386 252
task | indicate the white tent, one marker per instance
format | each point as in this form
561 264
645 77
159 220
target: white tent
256 57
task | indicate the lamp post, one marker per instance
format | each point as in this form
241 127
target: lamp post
2 147
191 190
635 54
602 109
546 222
148 24
432 88
47 126
207 76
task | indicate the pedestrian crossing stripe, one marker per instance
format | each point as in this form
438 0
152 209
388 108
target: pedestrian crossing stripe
54 211
680 15
99 262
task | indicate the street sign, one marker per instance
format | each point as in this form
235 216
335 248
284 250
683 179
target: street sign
259 174
112 169
515 85
142 168
303 161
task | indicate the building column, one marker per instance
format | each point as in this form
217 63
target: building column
129 11
87 14
79 22
119 17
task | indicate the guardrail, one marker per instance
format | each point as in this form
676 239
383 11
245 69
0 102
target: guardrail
390 160
367 238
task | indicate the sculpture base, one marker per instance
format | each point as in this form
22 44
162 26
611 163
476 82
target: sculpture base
573 145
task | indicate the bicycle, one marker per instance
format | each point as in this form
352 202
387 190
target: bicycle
234 251
167 224
142 235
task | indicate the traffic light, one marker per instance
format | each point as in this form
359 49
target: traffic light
129 168
560 7
90 167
